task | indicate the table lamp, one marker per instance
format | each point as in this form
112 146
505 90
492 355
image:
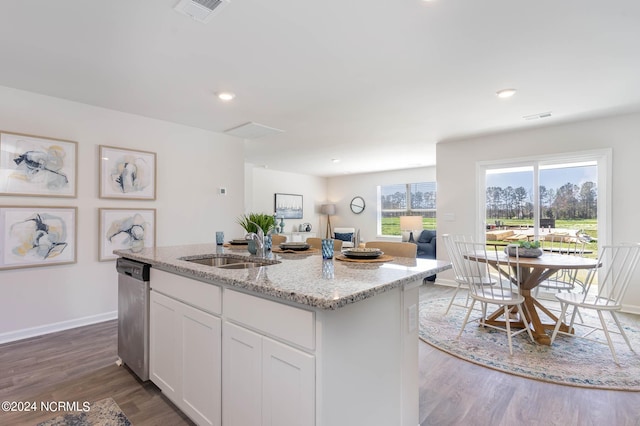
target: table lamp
410 223
328 209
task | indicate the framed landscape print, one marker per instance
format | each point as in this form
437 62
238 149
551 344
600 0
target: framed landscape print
37 166
127 174
37 236
288 206
124 229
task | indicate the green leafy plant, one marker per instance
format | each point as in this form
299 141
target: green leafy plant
528 244
264 221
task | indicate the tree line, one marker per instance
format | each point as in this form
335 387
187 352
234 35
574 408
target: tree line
418 200
568 202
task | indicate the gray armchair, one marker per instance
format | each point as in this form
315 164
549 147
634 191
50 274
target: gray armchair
427 247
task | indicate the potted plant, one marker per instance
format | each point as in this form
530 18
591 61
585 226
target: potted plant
260 225
524 249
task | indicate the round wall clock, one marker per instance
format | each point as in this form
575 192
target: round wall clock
357 205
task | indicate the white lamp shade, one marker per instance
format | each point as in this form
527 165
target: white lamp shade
329 209
410 223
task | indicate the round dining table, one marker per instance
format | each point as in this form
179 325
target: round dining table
533 271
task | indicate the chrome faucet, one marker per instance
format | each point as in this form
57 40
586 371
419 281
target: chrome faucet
258 237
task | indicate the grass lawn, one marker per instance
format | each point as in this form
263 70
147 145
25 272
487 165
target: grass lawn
391 226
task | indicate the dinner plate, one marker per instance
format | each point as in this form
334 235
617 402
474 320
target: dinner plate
363 253
239 242
294 246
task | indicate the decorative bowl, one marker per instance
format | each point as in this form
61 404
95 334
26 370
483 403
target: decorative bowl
523 252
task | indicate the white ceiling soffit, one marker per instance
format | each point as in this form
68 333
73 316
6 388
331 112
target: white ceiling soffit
201 10
252 130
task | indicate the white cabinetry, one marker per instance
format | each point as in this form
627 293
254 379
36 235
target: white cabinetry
185 340
288 385
296 236
237 359
267 382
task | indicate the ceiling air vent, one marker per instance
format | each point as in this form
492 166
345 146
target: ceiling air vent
252 130
537 116
201 10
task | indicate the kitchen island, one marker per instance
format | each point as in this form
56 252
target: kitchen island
299 341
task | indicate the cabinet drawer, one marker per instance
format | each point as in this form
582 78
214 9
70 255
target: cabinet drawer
272 318
199 294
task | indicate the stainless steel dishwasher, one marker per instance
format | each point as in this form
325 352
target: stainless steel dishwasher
133 315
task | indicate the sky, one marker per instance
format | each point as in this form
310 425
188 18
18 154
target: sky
552 178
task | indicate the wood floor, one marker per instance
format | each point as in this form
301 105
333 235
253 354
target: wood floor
79 365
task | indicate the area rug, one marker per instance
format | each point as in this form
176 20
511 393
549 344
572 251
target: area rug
569 361
101 413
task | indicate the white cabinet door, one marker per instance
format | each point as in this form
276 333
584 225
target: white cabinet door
185 358
265 382
241 377
201 366
288 385
164 353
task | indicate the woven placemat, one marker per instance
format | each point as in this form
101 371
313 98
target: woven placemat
383 258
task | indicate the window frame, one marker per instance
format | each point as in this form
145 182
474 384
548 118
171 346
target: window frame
603 159
408 209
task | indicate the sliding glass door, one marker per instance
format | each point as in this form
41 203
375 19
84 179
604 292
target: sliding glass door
533 198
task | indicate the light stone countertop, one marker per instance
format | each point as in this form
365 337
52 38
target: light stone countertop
300 278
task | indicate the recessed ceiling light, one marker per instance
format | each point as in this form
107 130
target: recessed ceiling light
225 96
506 93
335 160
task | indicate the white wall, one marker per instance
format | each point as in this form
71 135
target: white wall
342 189
456 173
192 164
263 184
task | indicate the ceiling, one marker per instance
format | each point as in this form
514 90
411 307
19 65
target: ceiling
372 83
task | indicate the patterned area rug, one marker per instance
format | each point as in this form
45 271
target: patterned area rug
569 361
102 413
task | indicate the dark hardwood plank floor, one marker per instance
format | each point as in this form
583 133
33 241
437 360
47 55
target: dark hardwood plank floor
79 365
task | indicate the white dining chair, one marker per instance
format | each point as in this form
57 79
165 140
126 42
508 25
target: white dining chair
565 280
617 265
503 293
458 270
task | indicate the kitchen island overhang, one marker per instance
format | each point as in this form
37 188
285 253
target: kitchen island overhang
358 348
298 278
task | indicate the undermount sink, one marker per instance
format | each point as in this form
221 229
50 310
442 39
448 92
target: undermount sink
246 265
229 262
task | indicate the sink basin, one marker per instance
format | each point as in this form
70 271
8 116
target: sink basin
246 265
229 261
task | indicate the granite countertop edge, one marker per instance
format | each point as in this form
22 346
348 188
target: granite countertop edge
267 287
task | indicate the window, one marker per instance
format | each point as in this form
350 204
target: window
531 198
407 199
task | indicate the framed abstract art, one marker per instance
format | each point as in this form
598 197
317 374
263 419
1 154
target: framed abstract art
124 229
37 236
37 166
127 174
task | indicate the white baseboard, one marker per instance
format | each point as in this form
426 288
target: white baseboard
445 282
631 309
12 336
